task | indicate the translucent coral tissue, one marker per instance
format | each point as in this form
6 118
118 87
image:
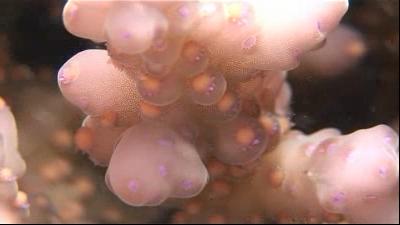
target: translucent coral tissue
182 82
12 166
190 100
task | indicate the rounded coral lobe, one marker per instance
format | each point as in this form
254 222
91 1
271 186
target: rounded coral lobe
152 163
240 141
12 166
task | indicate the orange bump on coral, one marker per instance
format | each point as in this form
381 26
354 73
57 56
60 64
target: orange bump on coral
245 136
84 138
275 178
109 119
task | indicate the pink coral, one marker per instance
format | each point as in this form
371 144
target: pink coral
344 48
321 177
352 175
12 166
182 82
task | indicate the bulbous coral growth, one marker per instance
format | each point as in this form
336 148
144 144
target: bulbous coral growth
194 92
354 175
316 178
188 80
344 48
160 165
12 166
208 74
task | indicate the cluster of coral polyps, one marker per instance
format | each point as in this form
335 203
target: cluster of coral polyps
189 89
12 166
322 177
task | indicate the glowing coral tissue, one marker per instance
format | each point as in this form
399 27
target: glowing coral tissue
188 90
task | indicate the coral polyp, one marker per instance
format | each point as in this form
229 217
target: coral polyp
190 93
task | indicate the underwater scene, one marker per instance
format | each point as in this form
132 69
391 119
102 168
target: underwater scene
206 111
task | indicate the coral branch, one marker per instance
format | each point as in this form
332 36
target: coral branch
12 166
322 177
191 90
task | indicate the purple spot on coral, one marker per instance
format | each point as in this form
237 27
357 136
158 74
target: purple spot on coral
149 94
331 148
73 11
211 87
62 78
197 58
249 43
256 141
163 170
183 11
160 45
126 35
25 205
166 142
388 140
383 171
187 185
338 197
319 26
133 186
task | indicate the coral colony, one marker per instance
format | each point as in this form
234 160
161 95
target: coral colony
12 167
190 100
